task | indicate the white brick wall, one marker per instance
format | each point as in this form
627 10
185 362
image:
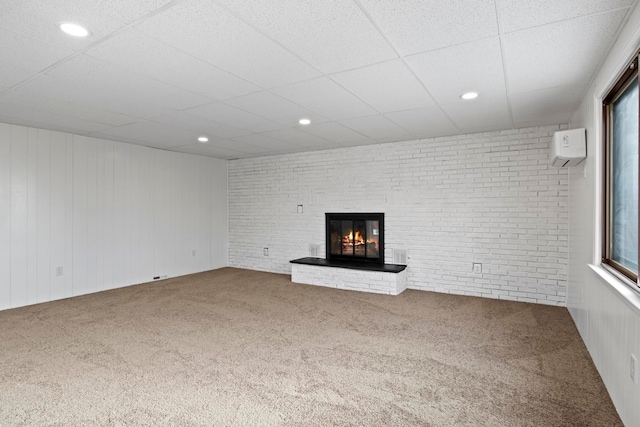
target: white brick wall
489 198
345 278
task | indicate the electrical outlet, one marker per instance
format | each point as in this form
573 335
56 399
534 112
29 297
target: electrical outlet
193 252
265 251
633 369
59 270
300 209
477 267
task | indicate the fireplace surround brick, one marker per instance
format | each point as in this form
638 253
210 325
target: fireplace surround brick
348 279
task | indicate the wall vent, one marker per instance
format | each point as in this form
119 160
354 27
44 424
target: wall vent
314 250
399 256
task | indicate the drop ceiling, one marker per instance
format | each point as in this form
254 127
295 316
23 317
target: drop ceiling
162 73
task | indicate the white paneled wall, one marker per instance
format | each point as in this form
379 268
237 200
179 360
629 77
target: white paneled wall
606 312
488 198
109 214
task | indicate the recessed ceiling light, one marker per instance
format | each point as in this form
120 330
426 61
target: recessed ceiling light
469 95
74 29
203 139
304 122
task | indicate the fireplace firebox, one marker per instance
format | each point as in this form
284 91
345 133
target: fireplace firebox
355 237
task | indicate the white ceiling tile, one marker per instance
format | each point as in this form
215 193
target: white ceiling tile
200 125
25 52
39 20
120 138
124 10
234 117
273 107
559 54
93 72
418 26
376 126
263 141
207 31
153 134
423 121
295 136
546 106
17 99
470 67
388 86
332 35
46 120
517 14
11 75
93 96
479 114
162 72
327 98
236 146
334 132
38 17
209 151
140 54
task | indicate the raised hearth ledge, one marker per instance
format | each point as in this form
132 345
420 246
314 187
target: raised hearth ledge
387 279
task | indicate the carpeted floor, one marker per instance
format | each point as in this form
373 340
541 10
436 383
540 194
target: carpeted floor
244 348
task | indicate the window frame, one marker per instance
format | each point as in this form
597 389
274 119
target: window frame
621 84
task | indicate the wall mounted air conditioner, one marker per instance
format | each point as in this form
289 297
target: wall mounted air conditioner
568 148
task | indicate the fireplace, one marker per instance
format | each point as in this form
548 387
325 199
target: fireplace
355 237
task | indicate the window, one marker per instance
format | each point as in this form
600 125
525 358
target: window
621 174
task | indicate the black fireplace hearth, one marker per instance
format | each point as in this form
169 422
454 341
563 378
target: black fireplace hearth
355 238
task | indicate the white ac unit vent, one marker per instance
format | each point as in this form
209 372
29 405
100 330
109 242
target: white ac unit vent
568 148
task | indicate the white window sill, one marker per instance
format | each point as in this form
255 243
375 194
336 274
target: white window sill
624 290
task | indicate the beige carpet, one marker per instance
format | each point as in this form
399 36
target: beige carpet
237 347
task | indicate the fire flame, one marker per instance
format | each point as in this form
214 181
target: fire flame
356 240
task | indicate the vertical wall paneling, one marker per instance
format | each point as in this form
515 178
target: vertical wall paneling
604 311
204 215
132 237
162 218
172 205
5 216
119 215
219 216
108 208
187 214
81 215
97 275
59 222
68 194
146 216
43 230
94 224
634 348
185 241
19 215
159 177
80 218
32 216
